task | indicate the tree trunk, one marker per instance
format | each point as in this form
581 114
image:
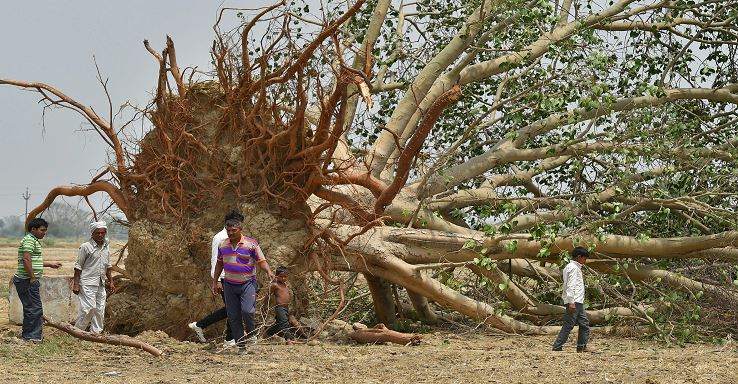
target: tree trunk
422 307
384 304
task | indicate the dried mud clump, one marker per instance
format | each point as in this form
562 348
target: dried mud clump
169 269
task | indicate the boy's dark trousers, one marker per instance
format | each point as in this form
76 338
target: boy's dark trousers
216 316
281 326
33 313
579 316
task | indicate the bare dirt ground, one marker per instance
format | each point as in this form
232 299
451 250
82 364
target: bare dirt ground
444 357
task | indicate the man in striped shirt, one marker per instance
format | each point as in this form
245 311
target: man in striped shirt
239 257
220 314
30 269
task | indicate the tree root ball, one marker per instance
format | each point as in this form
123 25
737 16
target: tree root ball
169 268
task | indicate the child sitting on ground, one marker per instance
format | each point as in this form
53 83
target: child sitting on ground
280 292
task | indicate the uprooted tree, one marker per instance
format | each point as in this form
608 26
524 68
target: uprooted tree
456 149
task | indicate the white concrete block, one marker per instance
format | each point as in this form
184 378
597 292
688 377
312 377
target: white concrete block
59 303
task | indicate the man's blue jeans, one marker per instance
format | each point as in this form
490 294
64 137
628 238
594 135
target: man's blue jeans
33 313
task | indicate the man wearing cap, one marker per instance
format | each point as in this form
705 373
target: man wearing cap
91 277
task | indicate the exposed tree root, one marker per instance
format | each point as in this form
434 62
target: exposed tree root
104 339
73 190
382 334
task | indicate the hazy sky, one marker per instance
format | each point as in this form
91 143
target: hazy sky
53 42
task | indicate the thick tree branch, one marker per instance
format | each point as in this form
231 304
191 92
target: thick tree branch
406 108
105 339
413 147
507 150
98 122
86 190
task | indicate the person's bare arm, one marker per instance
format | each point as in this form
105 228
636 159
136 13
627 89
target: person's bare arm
81 258
55 265
265 266
75 281
109 278
215 284
28 266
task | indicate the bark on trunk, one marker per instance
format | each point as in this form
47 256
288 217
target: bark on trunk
384 304
422 308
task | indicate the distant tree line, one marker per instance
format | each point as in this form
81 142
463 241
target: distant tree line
66 222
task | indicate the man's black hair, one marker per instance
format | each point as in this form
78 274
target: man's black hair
233 223
280 270
233 215
37 223
579 251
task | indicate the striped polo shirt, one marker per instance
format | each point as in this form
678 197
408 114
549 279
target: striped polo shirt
31 245
239 262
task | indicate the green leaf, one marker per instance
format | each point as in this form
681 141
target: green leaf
469 244
511 246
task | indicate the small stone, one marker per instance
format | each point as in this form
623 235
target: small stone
313 343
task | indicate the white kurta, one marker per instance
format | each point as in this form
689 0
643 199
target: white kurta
91 307
92 262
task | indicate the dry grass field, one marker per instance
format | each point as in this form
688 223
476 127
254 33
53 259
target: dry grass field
471 356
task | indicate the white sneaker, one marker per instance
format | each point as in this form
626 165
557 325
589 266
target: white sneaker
229 344
198 331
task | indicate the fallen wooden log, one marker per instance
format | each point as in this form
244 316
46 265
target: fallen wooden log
381 334
105 339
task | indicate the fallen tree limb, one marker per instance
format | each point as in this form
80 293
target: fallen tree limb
382 334
523 303
104 339
671 279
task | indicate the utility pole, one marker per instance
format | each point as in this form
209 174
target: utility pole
26 196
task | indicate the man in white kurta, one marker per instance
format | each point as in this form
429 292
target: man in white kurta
92 277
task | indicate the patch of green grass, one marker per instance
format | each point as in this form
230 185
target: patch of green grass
47 348
5 351
410 326
56 345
